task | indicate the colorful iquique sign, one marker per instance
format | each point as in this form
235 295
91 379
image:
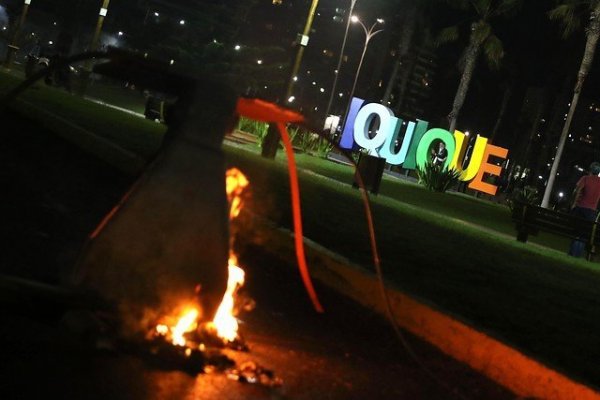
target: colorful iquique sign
416 145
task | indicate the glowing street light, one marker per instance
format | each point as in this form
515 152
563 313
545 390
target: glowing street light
182 22
237 47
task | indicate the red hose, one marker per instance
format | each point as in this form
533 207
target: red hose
297 213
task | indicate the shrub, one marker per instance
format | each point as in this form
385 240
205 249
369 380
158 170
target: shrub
527 195
254 127
310 142
437 178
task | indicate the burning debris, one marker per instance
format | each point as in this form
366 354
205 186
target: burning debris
250 372
183 341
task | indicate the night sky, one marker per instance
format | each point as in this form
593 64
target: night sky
536 54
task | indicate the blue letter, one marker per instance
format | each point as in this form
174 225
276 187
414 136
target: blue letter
347 140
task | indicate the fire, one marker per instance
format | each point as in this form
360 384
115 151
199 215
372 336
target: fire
235 183
186 323
225 324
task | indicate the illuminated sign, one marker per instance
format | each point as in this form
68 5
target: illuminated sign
415 148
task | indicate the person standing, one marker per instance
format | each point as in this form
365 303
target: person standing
585 203
440 157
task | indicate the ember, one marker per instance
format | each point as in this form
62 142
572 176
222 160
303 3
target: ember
250 372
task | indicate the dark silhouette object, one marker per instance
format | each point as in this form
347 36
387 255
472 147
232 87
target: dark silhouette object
586 196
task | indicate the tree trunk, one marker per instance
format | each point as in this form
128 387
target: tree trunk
408 32
593 33
503 107
471 55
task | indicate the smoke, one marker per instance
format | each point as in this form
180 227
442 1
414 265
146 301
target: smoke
3 18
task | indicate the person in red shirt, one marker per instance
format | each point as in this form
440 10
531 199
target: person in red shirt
587 194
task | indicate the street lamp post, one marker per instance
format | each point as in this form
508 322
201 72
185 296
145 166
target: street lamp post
98 31
271 140
341 57
303 43
12 47
369 34
87 69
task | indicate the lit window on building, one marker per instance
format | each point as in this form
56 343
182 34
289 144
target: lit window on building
587 139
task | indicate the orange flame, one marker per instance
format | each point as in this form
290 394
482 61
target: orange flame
225 323
235 183
186 323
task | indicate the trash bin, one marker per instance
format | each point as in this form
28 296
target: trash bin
154 108
371 170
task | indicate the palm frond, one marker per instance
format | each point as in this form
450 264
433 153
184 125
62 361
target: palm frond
507 8
458 4
494 51
482 7
566 15
446 35
481 30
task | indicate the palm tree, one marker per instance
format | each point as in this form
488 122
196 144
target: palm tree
570 14
481 39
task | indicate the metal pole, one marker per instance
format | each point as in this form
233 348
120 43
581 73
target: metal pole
339 64
368 36
305 34
87 69
12 47
98 31
271 140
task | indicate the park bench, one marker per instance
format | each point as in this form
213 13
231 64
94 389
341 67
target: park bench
530 219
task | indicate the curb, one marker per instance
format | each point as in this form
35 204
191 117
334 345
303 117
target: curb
503 364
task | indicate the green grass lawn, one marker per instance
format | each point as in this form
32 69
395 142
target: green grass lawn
117 95
449 250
